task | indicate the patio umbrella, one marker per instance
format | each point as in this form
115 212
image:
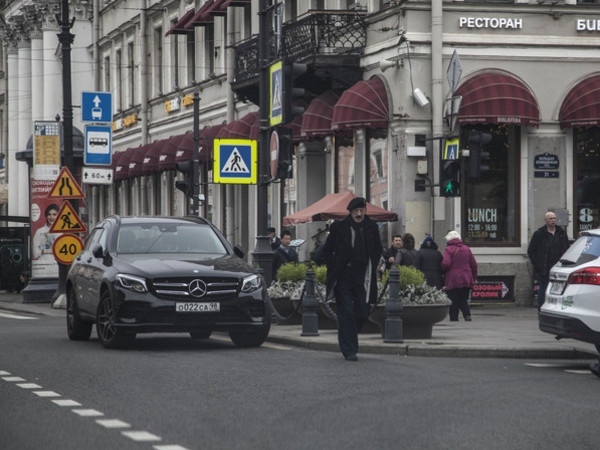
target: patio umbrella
333 206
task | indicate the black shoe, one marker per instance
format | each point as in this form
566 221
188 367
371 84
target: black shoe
453 320
352 357
468 318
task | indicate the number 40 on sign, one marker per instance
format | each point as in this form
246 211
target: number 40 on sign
66 247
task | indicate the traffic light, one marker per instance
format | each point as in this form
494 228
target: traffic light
291 93
286 151
450 178
185 185
478 157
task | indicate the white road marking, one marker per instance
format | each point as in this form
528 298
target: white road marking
16 316
168 447
87 412
578 371
13 379
141 436
46 394
3 373
66 402
276 346
113 423
29 386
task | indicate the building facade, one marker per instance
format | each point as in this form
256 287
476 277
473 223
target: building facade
388 86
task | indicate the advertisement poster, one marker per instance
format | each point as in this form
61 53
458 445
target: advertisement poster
43 213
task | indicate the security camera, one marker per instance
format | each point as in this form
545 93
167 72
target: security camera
420 98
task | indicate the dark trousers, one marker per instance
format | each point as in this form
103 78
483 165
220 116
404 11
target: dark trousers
352 313
459 297
543 280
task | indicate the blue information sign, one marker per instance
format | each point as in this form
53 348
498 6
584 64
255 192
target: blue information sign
96 107
98 145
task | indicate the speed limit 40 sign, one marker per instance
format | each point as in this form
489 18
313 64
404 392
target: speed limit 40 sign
66 247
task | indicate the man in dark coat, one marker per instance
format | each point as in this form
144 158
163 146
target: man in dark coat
284 253
352 251
547 245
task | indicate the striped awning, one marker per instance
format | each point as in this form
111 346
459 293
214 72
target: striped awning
496 97
581 107
179 27
364 105
316 120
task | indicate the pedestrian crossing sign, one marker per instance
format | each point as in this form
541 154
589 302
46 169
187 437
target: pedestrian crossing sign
235 161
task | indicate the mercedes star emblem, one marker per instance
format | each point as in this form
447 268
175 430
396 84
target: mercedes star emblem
197 288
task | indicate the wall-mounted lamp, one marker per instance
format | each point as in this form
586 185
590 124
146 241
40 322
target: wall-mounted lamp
420 98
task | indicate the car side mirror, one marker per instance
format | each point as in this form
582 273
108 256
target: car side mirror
239 251
98 251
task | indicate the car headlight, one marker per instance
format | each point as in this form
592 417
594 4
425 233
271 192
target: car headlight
132 283
251 283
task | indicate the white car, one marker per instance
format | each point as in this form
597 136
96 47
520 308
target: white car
572 306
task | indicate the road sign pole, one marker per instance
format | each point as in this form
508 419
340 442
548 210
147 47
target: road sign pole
196 160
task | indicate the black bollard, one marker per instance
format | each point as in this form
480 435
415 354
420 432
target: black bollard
310 320
393 310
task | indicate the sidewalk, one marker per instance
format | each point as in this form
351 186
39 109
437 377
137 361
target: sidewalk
497 330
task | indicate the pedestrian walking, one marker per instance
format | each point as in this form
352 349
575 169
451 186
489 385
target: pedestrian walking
284 253
429 261
389 255
352 251
272 233
407 255
460 274
547 245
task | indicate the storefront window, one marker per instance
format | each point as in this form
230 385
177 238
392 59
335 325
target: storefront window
587 178
378 170
490 212
345 165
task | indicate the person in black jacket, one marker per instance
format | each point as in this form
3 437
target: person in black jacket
407 255
429 261
547 245
352 251
284 253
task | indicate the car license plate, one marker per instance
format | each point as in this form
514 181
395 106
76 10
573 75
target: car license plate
197 307
557 287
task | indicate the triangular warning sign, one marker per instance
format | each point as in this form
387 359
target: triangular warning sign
65 186
67 221
235 163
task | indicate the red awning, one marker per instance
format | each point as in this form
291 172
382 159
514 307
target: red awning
244 128
201 17
166 160
185 150
219 8
333 207
120 164
179 27
496 97
364 105
296 126
581 107
230 3
136 161
152 155
316 120
207 140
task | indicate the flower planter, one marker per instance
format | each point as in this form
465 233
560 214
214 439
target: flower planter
417 320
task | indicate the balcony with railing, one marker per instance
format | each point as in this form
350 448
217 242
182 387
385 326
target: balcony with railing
329 42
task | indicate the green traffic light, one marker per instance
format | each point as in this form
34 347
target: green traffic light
449 187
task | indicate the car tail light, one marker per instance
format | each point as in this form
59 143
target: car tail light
589 275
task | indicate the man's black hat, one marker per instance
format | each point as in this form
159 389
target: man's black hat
357 202
271 230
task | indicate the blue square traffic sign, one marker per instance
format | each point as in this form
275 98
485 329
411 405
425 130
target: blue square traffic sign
96 107
98 145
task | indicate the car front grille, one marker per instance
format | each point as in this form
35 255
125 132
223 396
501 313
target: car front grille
178 288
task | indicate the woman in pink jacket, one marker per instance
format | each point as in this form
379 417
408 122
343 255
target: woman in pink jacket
460 273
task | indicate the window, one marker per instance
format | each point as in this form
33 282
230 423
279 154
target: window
106 71
175 60
158 61
130 75
587 178
490 202
191 57
119 80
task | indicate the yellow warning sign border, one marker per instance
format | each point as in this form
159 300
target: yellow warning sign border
66 174
64 209
57 243
252 177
